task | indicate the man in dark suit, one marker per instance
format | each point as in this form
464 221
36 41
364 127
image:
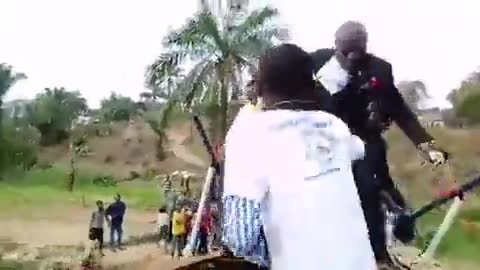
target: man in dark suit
361 91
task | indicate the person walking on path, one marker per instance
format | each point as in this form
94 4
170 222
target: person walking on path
96 225
116 211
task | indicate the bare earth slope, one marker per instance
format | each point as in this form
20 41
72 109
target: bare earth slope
132 147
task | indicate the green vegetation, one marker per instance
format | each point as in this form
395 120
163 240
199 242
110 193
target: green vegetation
53 112
458 244
40 188
221 50
420 184
466 99
117 108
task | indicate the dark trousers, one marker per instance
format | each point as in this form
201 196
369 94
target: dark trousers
382 171
177 244
116 228
369 193
202 243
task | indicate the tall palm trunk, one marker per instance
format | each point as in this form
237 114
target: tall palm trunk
71 174
223 108
223 125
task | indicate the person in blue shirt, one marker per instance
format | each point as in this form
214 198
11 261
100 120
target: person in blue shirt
116 212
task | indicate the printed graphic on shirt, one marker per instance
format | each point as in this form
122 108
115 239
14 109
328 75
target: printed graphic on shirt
319 144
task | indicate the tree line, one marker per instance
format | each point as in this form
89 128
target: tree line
465 100
223 52
203 68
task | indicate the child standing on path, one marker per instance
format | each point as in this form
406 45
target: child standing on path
163 222
96 225
178 231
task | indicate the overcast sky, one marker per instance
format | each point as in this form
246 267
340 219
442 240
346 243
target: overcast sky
99 46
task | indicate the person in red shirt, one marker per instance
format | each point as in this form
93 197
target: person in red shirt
205 229
188 223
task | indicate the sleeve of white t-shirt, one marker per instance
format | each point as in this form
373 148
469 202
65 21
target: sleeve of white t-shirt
357 148
244 168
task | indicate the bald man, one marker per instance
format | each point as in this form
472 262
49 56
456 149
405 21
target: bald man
361 91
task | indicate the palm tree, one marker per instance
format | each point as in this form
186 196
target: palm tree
163 82
7 79
221 51
413 93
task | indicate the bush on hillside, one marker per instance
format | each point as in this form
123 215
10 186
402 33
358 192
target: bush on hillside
117 108
469 109
104 181
18 147
53 113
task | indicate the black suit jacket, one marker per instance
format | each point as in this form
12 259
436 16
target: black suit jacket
388 94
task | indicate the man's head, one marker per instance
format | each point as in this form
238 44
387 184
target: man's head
117 197
285 73
351 43
99 205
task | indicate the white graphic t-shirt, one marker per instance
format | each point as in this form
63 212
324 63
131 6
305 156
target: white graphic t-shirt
298 164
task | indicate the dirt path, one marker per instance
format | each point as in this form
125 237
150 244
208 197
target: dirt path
63 226
68 227
165 262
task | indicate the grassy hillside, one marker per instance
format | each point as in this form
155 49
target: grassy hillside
132 147
422 183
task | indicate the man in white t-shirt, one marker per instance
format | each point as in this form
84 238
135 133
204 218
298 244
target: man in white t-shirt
290 201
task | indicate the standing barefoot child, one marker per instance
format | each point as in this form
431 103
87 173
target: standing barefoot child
162 224
96 225
178 231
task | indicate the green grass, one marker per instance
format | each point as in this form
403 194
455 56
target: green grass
457 245
47 187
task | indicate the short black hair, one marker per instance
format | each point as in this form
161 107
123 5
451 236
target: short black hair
162 209
285 70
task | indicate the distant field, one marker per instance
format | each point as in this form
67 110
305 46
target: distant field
44 188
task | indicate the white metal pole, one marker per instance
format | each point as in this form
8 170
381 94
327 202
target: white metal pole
188 251
442 230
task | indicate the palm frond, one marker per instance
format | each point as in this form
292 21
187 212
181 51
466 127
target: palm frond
8 78
200 36
165 66
202 74
256 19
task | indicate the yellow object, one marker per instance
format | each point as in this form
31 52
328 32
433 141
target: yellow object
178 223
249 107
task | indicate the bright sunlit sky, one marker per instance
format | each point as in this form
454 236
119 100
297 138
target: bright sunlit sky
99 46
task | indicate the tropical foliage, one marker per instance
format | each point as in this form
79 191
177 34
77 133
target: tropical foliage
117 108
466 99
53 112
220 52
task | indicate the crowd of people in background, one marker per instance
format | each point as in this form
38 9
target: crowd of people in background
175 220
175 230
